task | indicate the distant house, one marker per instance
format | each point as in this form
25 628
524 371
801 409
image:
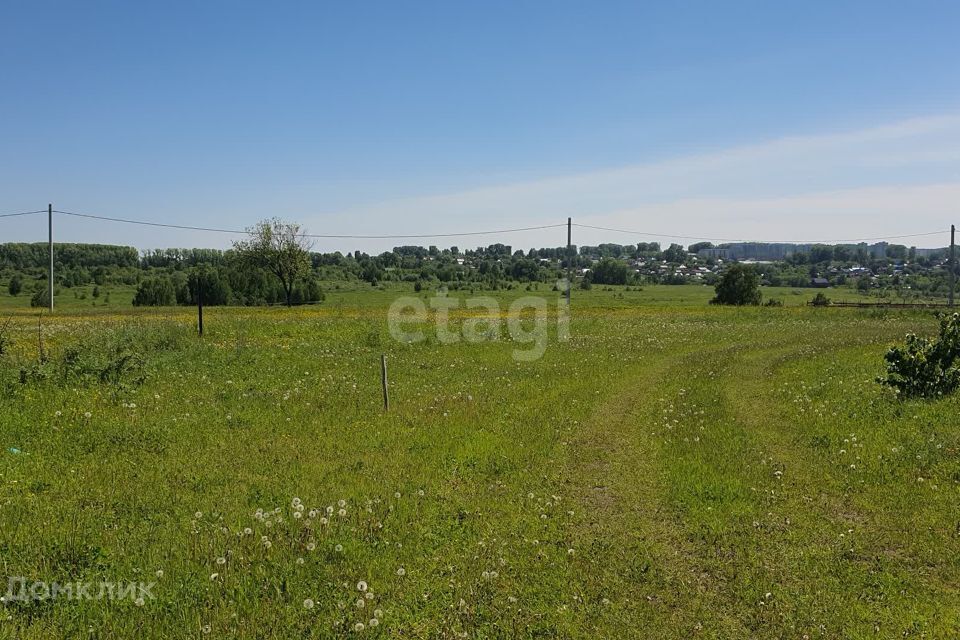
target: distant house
820 283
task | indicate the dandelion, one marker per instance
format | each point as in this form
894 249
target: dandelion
373 622
300 561
378 613
295 503
342 512
358 627
324 521
159 573
198 515
341 503
401 572
397 495
139 602
361 586
247 531
205 629
308 604
570 552
420 493
58 413
360 603
368 595
329 510
312 513
338 548
267 544
87 414
297 515
311 546
214 576
221 560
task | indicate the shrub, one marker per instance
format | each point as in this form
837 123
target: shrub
739 286
154 292
773 302
40 297
926 367
15 286
820 300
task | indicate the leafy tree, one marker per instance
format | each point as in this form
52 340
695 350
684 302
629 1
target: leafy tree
280 248
155 292
675 253
696 248
609 271
16 285
739 286
216 290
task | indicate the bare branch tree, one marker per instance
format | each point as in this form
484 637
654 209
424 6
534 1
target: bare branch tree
279 247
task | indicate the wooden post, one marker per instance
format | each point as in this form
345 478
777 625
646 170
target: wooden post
383 382
50 238
569 261
200 304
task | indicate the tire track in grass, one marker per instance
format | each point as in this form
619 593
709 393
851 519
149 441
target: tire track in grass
638 572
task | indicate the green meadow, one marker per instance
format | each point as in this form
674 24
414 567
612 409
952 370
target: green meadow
668 470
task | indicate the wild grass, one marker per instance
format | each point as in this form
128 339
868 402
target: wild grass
672 470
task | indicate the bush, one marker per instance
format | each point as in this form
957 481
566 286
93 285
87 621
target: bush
15 286
773 302
154 292
40 297
820 300
739 286
926 367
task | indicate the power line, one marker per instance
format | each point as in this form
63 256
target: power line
680 237
22 213
310 235
466 233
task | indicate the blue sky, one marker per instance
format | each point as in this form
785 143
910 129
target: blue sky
760 120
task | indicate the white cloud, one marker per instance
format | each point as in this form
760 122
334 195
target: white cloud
902 177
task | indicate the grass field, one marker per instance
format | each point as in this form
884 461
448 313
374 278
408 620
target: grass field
673 470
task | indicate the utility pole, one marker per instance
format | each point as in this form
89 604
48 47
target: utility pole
50 229
569 261
953 261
